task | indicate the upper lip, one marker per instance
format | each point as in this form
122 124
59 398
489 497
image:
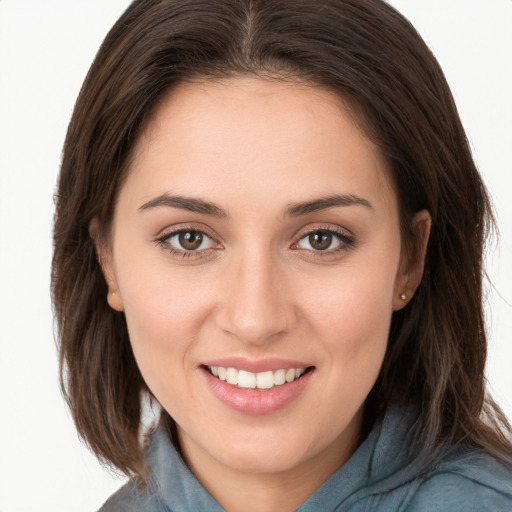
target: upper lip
256 365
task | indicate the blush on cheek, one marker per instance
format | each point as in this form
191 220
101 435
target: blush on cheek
357 325
162 326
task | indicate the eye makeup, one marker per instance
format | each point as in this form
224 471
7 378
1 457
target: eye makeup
197 242
188 242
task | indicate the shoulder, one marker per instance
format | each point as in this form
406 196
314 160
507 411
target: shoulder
465 483
134 497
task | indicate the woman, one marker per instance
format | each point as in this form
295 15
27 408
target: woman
269 220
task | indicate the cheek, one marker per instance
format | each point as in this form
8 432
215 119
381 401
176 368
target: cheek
170 314
163 335
351 313
353 326
353 302
162 312
164 315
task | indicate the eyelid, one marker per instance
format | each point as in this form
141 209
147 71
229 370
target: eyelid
185 226
345 236
332 228
164 236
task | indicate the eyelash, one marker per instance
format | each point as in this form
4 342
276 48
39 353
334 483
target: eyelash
346 242
164 242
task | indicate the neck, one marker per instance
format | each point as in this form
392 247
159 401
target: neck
277 491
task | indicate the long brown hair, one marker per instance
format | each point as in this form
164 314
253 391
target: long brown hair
366 52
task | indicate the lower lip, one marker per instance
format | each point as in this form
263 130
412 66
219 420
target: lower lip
251 401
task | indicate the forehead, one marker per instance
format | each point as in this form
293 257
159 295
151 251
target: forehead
251 136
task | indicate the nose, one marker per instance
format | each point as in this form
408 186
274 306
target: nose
256 305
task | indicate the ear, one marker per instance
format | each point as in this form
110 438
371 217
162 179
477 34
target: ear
105 259
413 261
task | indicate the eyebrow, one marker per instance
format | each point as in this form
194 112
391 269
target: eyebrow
185 203
293 210
323 203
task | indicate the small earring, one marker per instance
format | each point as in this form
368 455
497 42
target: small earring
403 296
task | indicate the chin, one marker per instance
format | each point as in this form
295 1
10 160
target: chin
263 460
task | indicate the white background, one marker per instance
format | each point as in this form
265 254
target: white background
46 47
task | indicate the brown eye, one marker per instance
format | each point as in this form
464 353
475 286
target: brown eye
320 240
190 240
325 240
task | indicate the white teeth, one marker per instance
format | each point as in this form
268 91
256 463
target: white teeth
246 379
262 380
280 377
231 376
265 380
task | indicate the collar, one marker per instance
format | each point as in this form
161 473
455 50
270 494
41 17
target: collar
380 463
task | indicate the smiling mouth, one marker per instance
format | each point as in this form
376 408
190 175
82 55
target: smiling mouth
260 381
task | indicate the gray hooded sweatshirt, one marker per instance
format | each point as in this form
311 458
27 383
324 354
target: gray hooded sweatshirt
378 477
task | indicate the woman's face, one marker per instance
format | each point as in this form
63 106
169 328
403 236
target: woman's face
256 239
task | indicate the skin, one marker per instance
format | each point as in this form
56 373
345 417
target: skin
257 288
